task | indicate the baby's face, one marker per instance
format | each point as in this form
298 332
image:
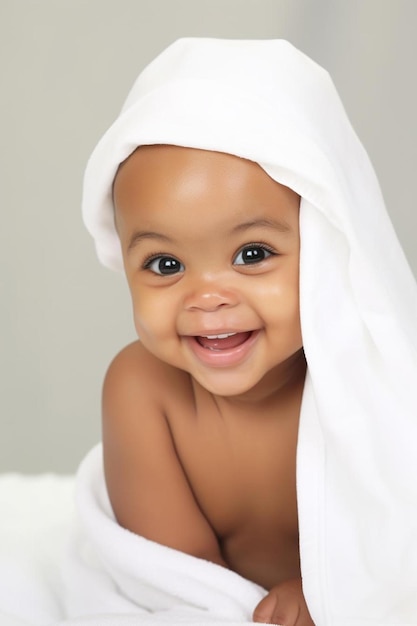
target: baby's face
211 251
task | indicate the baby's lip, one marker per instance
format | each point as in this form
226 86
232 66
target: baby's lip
221 353
218 333
223 341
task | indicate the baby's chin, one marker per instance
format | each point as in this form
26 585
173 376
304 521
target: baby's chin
231 385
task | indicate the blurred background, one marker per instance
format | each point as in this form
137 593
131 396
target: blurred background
66 67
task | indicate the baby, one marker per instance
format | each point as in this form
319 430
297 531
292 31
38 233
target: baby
201 415
251 423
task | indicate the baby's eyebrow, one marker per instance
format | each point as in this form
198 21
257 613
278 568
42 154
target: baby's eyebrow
140 235
279 225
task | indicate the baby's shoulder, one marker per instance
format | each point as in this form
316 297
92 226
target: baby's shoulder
136 375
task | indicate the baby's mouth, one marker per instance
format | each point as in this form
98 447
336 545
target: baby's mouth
225 341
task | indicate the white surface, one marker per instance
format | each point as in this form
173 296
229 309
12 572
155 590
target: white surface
36 515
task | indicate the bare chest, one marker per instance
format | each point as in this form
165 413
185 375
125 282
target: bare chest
242 474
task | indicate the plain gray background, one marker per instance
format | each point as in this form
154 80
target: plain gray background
66 67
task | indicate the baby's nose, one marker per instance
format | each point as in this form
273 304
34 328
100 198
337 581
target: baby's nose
210 299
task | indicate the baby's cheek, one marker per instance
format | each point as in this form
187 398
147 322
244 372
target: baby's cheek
153 322
145 325
281 301
142 316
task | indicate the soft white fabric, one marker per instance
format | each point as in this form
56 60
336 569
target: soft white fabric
113 572
62 569
36 514
357 461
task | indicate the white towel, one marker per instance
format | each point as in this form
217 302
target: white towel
115 573
36 514
357 461
62 569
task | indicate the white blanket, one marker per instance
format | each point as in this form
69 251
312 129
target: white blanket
84 569
36 514
113 571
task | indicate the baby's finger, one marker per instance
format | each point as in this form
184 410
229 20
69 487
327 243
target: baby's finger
286 616
265 610
304 617
271 611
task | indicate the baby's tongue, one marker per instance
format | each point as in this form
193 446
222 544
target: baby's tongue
224 344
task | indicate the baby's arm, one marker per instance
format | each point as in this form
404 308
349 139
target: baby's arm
147 486
148 489
284 605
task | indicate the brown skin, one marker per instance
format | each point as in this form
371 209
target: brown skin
199 452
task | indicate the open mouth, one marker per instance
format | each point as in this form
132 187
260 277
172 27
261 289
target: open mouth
225 341
227 349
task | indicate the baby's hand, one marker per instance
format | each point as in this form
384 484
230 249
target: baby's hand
284 605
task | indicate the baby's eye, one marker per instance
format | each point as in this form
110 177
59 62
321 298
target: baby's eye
252 253
164 265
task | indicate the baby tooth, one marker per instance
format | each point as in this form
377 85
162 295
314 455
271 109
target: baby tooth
224 336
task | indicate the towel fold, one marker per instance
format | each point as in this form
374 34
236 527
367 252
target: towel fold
112 571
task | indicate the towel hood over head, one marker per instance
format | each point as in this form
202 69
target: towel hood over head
356 460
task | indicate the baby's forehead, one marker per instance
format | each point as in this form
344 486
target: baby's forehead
161 160
163 154
164 169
